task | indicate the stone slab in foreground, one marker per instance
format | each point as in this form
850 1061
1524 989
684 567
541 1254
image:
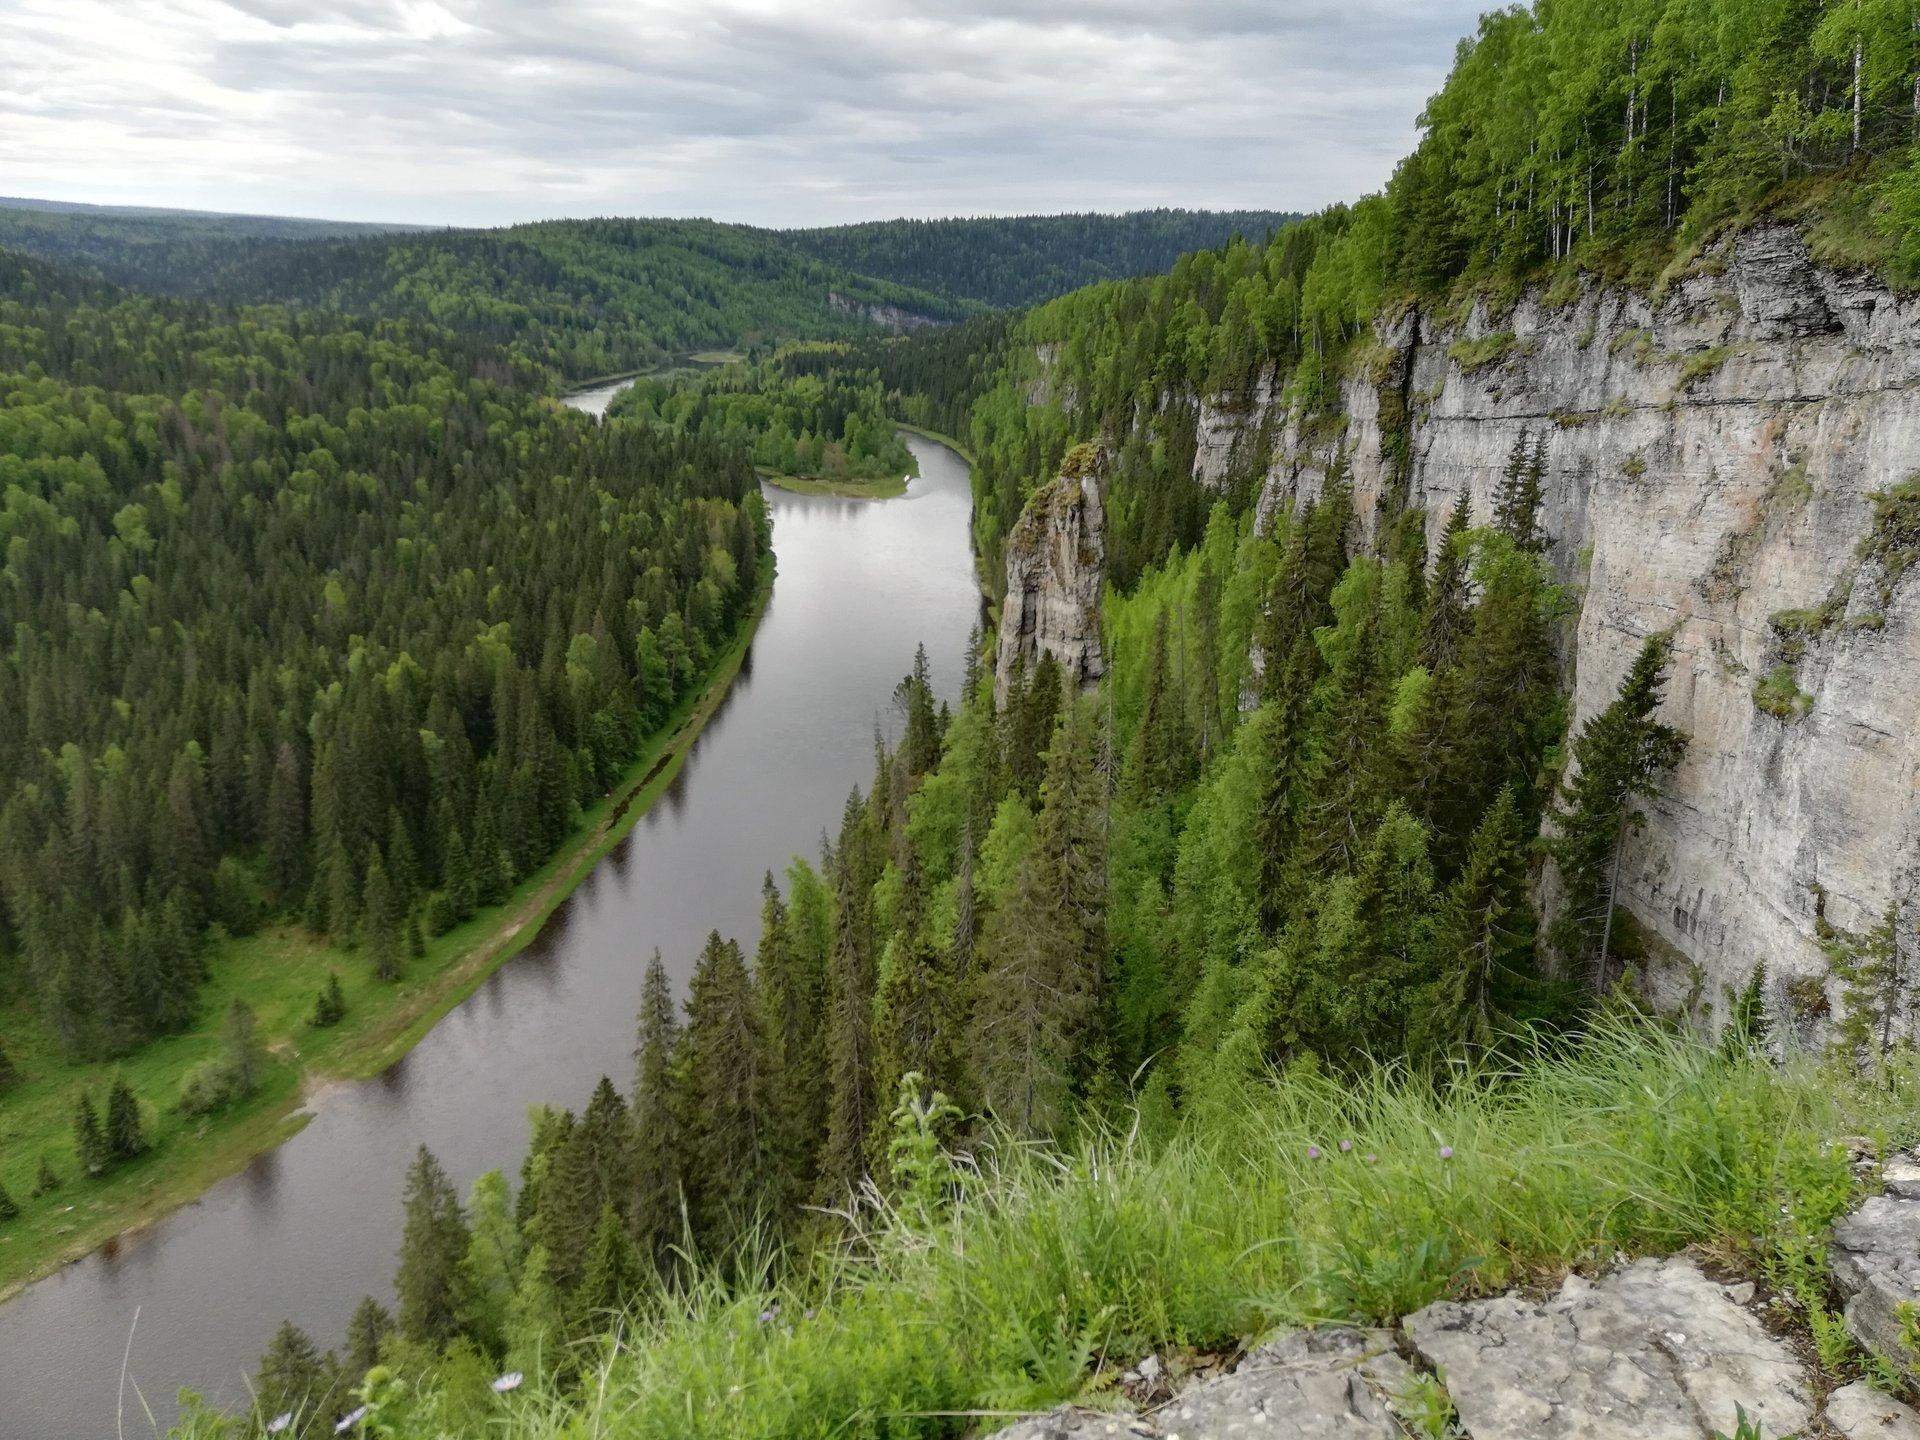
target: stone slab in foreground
1654 1351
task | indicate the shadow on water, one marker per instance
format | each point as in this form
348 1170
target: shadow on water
304 1231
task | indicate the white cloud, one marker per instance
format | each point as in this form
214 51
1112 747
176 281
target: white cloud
772 111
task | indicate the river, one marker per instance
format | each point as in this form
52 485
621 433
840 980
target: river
310 1227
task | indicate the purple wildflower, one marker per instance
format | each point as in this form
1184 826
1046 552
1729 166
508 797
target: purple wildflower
1313 1152
509 1381
1446 1152
1346 1147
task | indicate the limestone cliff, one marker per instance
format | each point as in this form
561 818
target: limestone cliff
1734 460
1056 558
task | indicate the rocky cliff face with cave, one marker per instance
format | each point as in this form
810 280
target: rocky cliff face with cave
1736 459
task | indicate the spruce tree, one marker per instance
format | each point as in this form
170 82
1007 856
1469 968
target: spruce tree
1448 594
430 1283
726 1095
459 886
370 1325
89 1140
243 1057
1484 947
490 1270
1516 506
658 1127
126 1138
286 826
1161 756
850 985
46 1179
792 987
612 1276
1346 784
293 1379
9 1207
330 1005
917 1008
1623 755
1037 1002
381 930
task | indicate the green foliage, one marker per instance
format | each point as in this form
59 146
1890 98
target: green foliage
1113 1248
800 414
1017 260
1778 693
315 568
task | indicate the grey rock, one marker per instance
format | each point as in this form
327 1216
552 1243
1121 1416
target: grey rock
1860 1412
1875 1260
1713 457
1056 566
1654 1351
1332 1384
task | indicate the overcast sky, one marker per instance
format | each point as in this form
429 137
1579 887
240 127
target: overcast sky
776 112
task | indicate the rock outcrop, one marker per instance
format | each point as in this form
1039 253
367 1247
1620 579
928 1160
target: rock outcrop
1735 460
1875 1261
1655 1351
892 317
1056 559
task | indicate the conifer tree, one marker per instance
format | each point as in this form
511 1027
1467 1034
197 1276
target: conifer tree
1484 946
850 984
330 1005
1161 756
1038 997
370 1325
294 1379
589 1166
1283 735
46 1179
382 926
491 1266
459 885
612 1276
286 826
535 1338
9 1207
89 1140
917 1008
1516 506
9 1074
242 1054
430 1283
1623 755
920 738
726 1095
1445 621
658 1126
125 1136
792 987
1346 784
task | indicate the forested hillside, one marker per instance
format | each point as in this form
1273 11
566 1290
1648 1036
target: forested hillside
1010 261
315 620
803 413
1298 828
579 297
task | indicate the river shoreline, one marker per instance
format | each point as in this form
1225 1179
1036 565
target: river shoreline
179 1177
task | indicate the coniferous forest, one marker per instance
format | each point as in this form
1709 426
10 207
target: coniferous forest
314 620
322 612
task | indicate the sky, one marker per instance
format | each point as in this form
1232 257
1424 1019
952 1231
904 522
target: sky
776 112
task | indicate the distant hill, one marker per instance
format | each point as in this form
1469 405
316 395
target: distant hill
1019 260
592 297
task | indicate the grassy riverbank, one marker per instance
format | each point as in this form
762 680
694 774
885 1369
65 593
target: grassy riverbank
278 973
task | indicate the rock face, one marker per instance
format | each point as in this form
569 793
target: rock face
1334 1384
893 317
1056 559
1714 458
1876 1261
1656 1351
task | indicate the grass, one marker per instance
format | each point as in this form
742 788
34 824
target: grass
278 973
1050 1271
1475 355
